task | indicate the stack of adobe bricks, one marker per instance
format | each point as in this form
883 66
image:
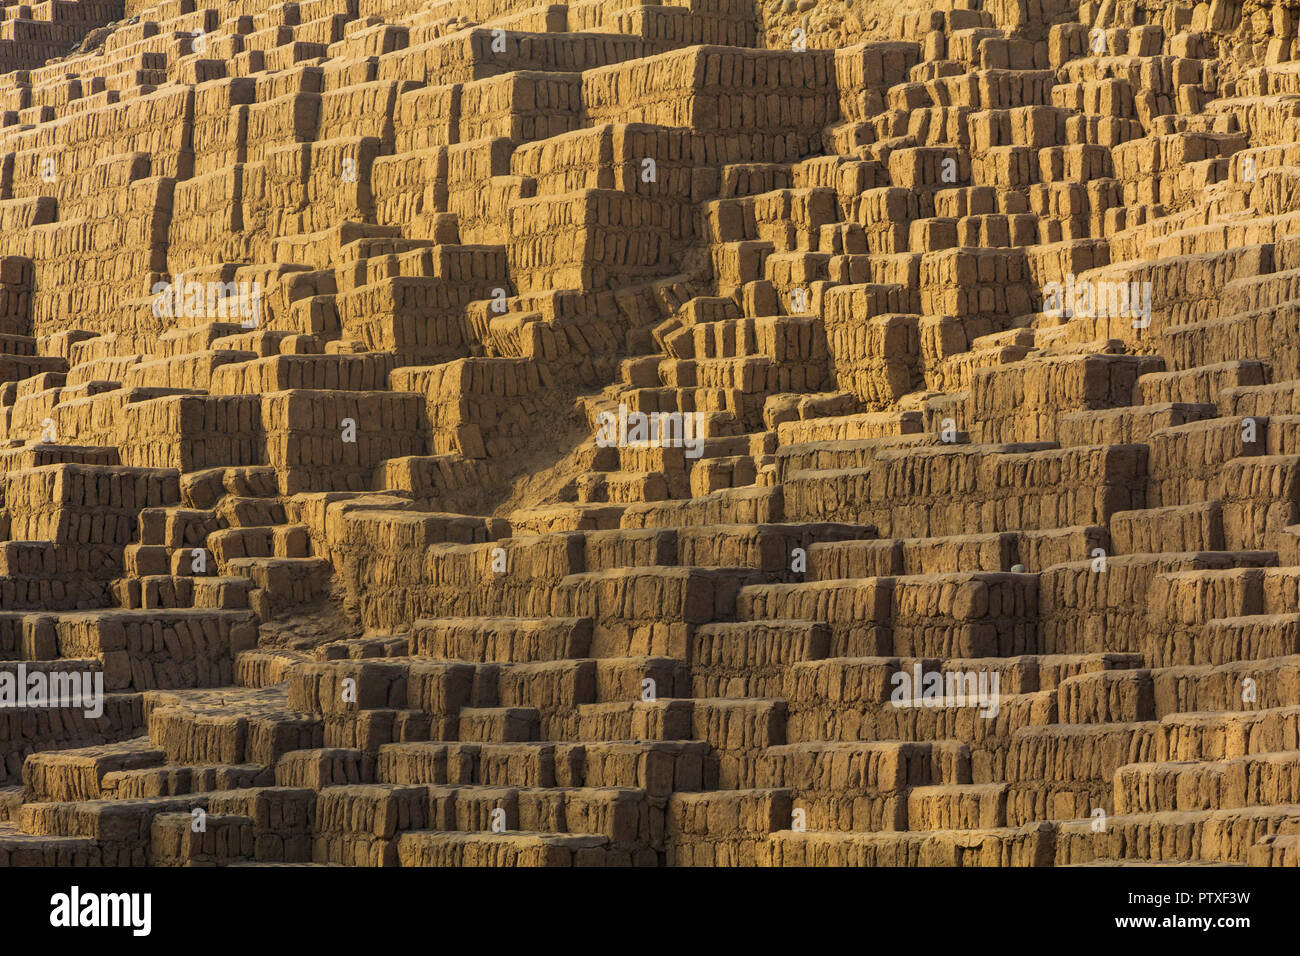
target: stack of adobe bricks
694 433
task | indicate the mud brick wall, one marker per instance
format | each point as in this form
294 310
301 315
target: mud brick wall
884 213
1052 262
1144 165
279 373
766 547
361 110
97 150
90 504
1196 453
721 828
790 96
15 295
272 191
410 185
965 615
221 123
224 840
75 569
888 556
159 124
1258 332
305 188
993 89
291 117
122 836
875 359
438 480
1186 600
1057 489
207 220
12 628
469 55
463 579
80 265
612 156
970 613
619 602
1179 528
304 436
1035 127
1186 291
498 639
448 208
792 219
751 660
380 558
327 687
521 105
479 187
143 650
201 733
1261 496
23 211
818 715
282 819
427 117
921 169
1022 402
348 532
331 192
969 282
756 505
89 415
865 72
358 825
1001 489
1083 611
472 398
179 371
670 27
23 733
417 11
365 732
193 432
415 317
594 239
316 251
821 777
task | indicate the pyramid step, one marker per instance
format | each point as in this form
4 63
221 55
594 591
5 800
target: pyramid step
1256 780
461 849
278 541
225 839
501 639
972 806
120 828
499 724
171 780
1210 836
23 849
78 773
1032 845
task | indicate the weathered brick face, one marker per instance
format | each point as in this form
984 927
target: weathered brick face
466 433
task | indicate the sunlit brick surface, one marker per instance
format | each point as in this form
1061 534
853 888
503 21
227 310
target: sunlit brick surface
722 433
